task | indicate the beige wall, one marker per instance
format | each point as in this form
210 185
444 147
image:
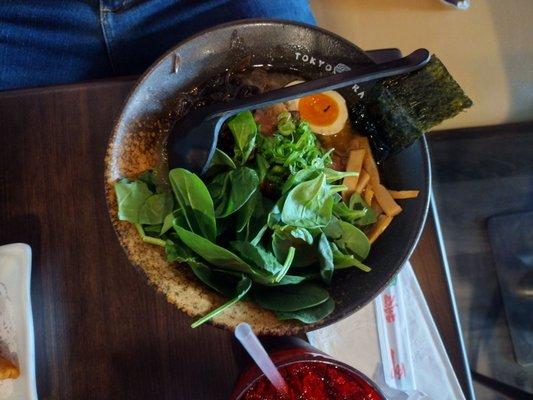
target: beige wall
488 48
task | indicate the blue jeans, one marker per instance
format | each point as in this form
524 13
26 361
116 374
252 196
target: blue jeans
60 41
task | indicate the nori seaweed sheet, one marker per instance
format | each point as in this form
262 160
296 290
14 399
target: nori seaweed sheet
398 110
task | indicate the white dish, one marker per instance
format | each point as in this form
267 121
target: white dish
16 322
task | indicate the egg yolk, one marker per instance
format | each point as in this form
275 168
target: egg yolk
318 109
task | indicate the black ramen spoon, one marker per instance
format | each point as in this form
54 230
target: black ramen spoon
193 139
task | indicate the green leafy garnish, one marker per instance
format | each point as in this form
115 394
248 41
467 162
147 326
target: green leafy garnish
292 297
357 203
280 248
195 203
309 315
242 288
231 190
286 125
309 204
325 257
131 196
156 208
353 240
258 257
304 256
212 253
342 260
291 151
244 131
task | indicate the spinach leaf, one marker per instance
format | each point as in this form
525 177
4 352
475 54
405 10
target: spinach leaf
259 235
211 252
217 186
311 173
244 131
167 223
325 258
274 216
353 240
250 219
225 227
288 280
335 189
231 190
149 178
152 230
148 239
333 230
304 256
258 256
216 281
299 177
342 260
286 265
242 288
292 233
156 208
309 315
309 204
368 219
179 220
222 159
244 214
303 234
131 195
357 203
195 202
176 251
227 272
311 276
342 211
221 162
221 257
291 297
261 166
333 175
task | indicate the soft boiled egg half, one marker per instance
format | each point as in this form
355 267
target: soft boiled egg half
326 112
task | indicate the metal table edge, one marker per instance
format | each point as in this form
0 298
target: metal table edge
451 293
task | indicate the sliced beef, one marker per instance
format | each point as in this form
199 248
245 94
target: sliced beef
267 118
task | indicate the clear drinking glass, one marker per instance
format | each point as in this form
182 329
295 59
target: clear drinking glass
305 367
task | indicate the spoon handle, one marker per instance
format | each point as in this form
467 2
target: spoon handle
412 62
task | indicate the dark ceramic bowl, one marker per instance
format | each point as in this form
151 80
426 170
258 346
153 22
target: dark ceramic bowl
145 121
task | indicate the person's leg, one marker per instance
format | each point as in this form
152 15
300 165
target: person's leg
62 41
138 33
49 42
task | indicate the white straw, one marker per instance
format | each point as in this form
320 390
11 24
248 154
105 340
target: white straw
245 335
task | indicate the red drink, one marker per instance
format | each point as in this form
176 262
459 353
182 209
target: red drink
310 375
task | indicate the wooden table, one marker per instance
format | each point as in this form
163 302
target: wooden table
100 331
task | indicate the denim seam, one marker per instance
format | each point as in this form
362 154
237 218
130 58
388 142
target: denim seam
126 4
103 24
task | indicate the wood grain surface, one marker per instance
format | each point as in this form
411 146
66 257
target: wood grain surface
100 331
